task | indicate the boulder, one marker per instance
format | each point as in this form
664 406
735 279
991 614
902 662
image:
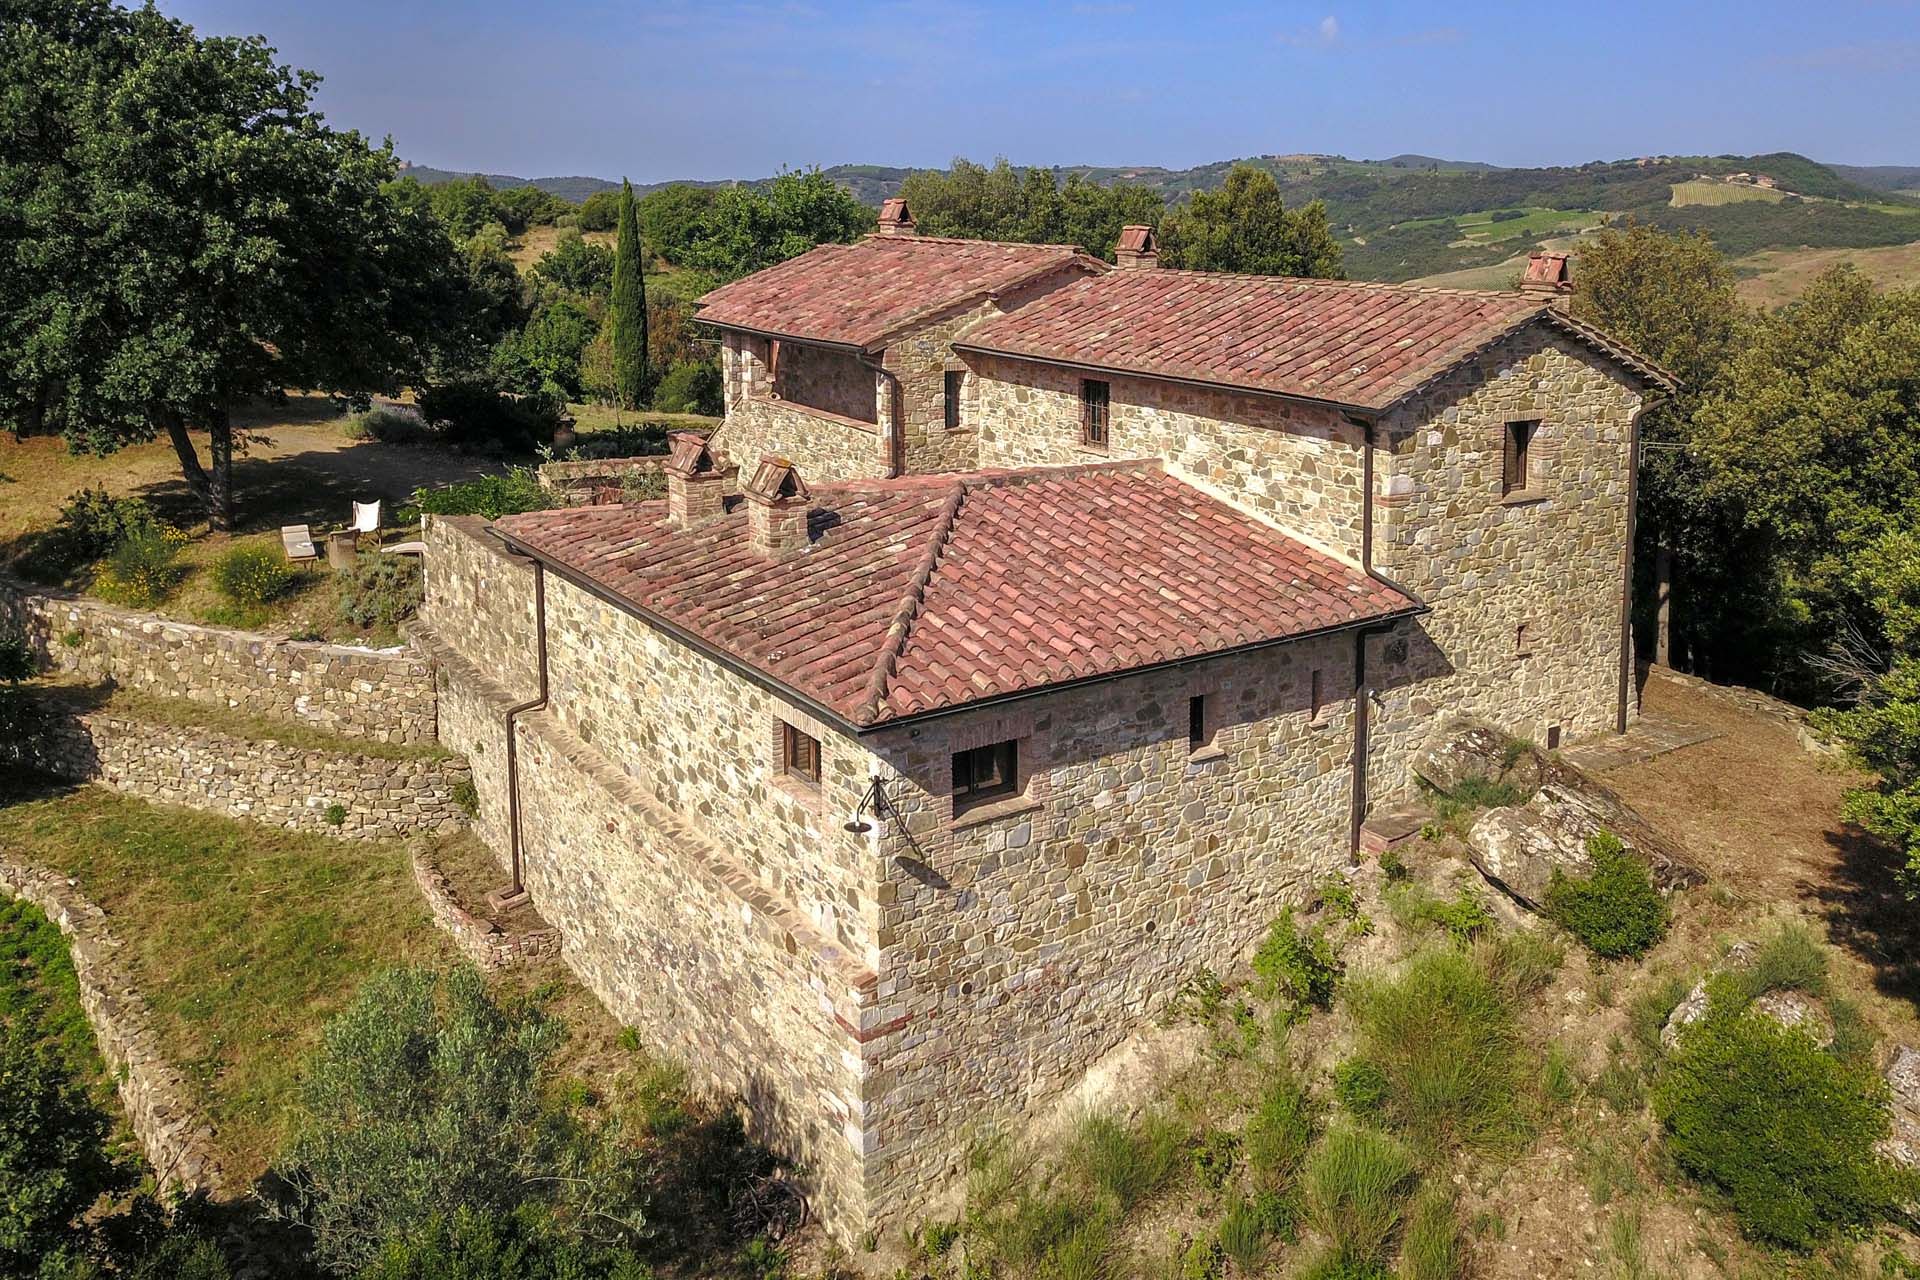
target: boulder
1519 847
1902 1146
1466 749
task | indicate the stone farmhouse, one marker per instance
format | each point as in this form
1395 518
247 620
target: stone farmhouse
1030 634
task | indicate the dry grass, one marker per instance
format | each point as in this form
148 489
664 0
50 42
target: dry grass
1774 277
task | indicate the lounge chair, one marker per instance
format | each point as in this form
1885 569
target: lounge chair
297 541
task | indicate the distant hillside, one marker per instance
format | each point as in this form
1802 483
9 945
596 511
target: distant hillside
574 189
1416 217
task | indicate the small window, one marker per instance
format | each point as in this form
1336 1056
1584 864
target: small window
1094 400
1514 463
1553 738
799 755
1522 641
984 773
1197 737
953 398
1317 697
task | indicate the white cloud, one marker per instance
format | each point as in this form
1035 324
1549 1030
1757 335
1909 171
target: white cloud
1324 34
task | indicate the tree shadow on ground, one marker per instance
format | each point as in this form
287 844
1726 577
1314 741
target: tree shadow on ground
1869 913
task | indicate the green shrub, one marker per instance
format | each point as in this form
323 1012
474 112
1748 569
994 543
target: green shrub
1394 867
1786 1130
1214 1156
464 794
1616 910
254 575
1445 1037
390 425
379 590
143 570
16 658
693 386
1463 917
1472 794
643 486
1281 1129
1431 1247
52 1142
476 415
518 489
91 524
628 440
426 1098
1792 959
1357 1183
1243 1235
1296 966
335 814
473 1246
1360 1087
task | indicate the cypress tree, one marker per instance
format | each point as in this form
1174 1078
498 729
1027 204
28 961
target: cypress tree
628 314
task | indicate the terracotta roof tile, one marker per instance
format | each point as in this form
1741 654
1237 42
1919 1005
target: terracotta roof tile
1359 345
860 294
930 592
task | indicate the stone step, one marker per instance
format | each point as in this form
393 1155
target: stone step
1390 828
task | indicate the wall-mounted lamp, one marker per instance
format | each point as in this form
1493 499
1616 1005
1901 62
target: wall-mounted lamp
870 800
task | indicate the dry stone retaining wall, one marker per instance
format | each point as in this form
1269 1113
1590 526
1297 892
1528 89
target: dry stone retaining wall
262 780
383 695
177 1139
481 941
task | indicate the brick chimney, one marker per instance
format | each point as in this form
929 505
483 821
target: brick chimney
778 507
696 481
1138 247
1548 273
895 219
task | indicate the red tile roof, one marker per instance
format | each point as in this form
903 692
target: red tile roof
931 592
1361 346
861 294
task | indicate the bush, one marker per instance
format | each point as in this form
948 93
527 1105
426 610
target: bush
91 524
1445 1038
52 1161
390 425
1787 1131
1464 916
427 1098
524 1245
1615 911
629 440
254 575
477 415
143 570
1357 1184
16 658
517 490
379 590
1297 966
691 387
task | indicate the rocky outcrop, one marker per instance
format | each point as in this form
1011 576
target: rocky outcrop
1788 1008
1902 1146
1518 847
176 1136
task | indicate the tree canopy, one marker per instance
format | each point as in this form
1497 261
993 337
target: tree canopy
186 232
1026 205
627 317
746 229
1246 226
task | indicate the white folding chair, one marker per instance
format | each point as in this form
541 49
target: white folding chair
366 517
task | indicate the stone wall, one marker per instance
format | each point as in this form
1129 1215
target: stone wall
479 601
481 941
1026 939
824 446
177 1139
575 482
254 778
384 695
1549 559
828 379
1299 466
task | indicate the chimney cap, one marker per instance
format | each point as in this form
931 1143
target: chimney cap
1547 272
688 455
776 479
895 218
1138 246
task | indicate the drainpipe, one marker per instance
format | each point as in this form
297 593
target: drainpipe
896 428
1626 572
516 891
1362 707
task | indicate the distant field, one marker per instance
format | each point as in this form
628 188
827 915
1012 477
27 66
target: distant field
1708 192
663 281
1482 228
1776 276
537 242
1498 275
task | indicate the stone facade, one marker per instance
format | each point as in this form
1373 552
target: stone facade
1298 466
384 797
822 444
384 695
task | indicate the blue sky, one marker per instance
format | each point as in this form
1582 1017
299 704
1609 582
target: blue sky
718 89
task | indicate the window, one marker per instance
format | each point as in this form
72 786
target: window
984 773
953 398
1514 467
1094 398
1522 646
1197 722
799 755
1317 695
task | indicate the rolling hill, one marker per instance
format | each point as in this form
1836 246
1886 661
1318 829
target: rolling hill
1416 217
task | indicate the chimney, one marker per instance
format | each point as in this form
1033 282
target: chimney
778 507
1138 247
1548 273
696 482
895 220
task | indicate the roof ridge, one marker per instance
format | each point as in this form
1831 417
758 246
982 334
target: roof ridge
1323 282
875 694
1003 244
